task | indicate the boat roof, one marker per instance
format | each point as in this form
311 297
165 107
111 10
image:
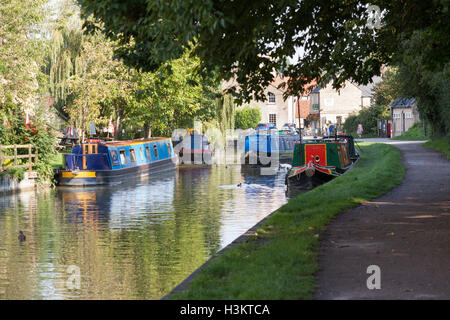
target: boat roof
132 142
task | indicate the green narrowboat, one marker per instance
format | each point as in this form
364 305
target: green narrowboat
317 161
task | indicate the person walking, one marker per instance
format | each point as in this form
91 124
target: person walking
360 130
331 128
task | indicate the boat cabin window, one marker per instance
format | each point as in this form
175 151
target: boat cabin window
123 157
89 148
147 152
155 150
132 155
169 149
114 156
142 154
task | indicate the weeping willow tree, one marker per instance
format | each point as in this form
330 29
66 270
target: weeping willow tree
225 113
65 46
81 70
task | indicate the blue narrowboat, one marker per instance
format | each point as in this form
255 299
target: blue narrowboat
260 147
96 162
194 148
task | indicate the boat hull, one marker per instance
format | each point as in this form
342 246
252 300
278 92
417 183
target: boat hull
310 176
302 181
101 177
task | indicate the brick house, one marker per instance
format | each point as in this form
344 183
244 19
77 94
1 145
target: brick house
328 104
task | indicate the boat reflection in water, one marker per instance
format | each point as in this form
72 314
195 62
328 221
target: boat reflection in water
134 240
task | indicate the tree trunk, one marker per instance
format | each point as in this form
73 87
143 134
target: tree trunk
149 131
117 125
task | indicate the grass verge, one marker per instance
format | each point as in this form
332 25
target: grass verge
280 260
441 145
415 133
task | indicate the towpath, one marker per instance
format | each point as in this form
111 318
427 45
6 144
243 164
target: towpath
406 233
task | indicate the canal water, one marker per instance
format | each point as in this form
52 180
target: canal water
136 240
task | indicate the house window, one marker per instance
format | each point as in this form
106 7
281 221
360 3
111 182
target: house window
273 119
338 120
155 150
271 97
408 115
396 116
123 157
132 155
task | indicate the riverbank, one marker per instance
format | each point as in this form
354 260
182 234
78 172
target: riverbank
279 259
9 184
404 233
441 145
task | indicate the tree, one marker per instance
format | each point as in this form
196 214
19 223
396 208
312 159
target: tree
251 39
173 96
247 117
431 88
20 53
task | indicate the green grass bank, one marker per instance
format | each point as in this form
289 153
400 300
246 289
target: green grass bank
441 145
413 133
280 260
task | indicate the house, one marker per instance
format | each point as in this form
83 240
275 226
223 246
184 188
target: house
404 114
328 104
277 109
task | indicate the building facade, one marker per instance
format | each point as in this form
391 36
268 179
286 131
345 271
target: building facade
330 105
404 114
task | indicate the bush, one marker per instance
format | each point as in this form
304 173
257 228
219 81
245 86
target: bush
37 134
17 173
247 118
368 117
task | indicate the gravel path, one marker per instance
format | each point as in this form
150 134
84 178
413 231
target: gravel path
406 233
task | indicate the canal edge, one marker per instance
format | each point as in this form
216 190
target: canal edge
242 238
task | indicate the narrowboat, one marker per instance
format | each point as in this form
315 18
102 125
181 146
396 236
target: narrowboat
318 161
260 148
194 148
95 162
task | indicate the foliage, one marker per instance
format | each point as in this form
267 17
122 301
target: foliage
20 52
257 37
280 260
172 97
368 117
387 90
64 47
431 88
247 117
16 173
39 135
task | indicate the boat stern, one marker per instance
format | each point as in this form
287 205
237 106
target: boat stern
76 178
